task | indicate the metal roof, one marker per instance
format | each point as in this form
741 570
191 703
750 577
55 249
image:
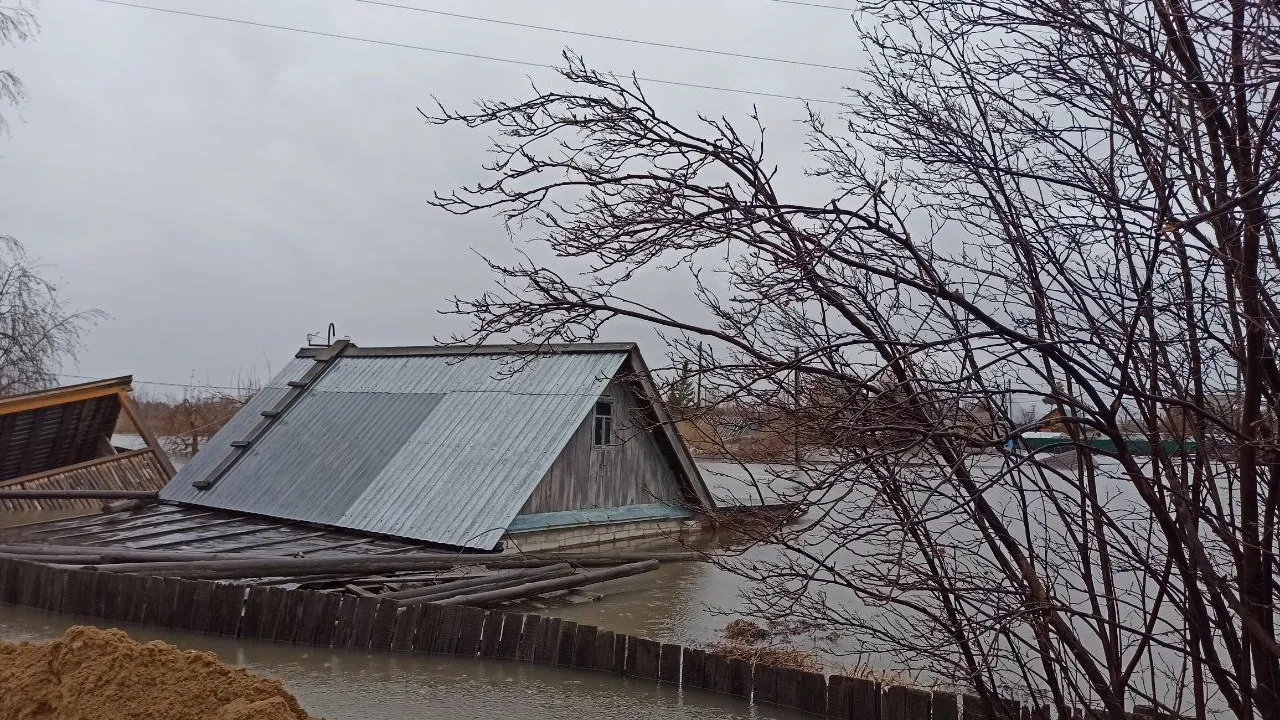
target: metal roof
443 447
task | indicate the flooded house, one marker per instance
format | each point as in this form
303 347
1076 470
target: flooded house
473 447
58 441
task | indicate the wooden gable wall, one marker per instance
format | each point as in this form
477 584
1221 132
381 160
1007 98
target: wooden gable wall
631 471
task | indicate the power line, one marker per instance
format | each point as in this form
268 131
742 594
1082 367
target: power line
820 6
474 56
157 382
615 38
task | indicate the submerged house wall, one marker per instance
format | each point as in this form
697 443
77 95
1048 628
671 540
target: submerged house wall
593 494
630 470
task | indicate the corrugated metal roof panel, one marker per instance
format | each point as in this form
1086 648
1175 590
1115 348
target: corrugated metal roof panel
441 448
219 446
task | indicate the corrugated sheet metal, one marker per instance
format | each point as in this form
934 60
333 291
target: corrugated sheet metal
444 449
56 435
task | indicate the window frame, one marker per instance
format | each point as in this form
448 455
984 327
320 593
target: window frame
609 420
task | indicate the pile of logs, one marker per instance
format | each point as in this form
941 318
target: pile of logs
409 579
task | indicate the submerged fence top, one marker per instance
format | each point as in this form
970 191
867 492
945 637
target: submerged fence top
422 444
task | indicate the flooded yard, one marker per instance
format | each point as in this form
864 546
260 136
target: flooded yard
684 603
337 684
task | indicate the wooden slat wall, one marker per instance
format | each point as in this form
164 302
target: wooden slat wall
633 471
329 620
129 471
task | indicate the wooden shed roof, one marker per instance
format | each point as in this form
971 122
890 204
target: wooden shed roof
48 429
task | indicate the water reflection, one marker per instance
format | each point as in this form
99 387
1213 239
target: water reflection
339 684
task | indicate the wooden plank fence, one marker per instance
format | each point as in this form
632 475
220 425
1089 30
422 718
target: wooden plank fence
366 623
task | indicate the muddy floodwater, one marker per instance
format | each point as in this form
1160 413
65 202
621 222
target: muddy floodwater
683 603
339 684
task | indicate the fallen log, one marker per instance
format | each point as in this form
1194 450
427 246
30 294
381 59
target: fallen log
546 586
294 567
614 558
443 592
61 559
124 555
470 580
590 561
78 495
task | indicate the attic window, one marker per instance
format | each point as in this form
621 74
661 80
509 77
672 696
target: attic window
602 424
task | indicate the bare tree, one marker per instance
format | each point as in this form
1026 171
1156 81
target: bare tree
17 24
1031 201
37 332
186 421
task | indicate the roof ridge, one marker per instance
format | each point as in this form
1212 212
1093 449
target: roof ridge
458 350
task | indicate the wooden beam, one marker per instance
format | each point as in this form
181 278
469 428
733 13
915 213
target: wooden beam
545 586
70 468
71 393
355 565
76 495
127 406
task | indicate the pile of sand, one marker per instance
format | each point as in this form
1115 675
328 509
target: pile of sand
94 674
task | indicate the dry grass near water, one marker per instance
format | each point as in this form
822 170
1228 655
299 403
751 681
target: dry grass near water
749 641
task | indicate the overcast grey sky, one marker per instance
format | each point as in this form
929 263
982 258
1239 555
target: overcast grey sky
221 190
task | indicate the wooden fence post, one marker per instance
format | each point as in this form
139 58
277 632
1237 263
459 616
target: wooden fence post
565 643
584 647
813 693
786 688
493 628
646 658
406 626
428 627
605 659
530 639
446 640
691 664
509 644
764 685
326 624
344 627
740 681
183 604
715 673
291 602
945 707
362 624
669 664
545 652
471 628
384 625
620 650
308 616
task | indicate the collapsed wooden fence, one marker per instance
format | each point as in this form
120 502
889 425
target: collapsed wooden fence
326 619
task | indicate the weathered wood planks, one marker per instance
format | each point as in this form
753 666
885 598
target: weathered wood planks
327 619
